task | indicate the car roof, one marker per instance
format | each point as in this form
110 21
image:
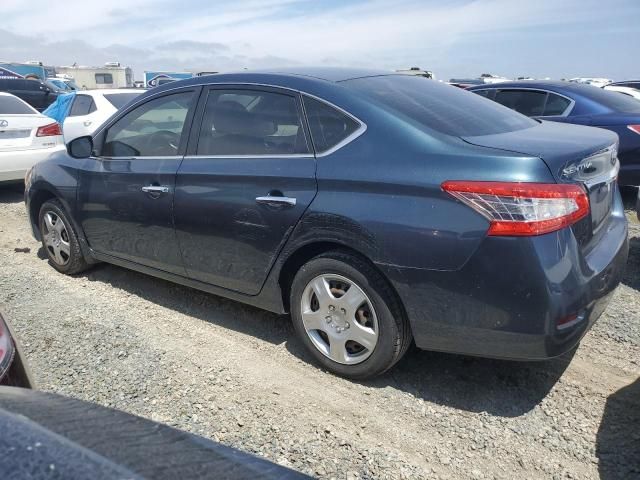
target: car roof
109 91
284 77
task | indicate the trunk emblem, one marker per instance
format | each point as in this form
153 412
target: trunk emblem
4 123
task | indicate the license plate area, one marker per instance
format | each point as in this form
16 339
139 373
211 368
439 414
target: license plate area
14 134
601 199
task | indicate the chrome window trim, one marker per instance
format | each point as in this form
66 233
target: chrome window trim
566 112
338 146
262 155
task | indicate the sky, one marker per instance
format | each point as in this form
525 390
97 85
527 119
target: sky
453 38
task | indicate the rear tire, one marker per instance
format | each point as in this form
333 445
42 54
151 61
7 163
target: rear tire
347 316
59 239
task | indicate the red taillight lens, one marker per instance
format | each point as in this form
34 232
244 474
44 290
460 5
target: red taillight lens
7 349
49 130
634 128
522 209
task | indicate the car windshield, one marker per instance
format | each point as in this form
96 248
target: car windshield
119 100
13 106
440 107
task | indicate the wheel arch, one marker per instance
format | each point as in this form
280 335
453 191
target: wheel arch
303 253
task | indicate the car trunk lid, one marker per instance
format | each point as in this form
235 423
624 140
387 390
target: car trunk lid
18 132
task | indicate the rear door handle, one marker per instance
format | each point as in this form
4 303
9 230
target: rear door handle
273 200
155 189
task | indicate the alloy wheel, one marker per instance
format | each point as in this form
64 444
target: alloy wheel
56 238
339 318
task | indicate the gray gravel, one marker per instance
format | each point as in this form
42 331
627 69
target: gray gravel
239 376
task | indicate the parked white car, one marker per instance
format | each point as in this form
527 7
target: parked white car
91 108
26 137
632 92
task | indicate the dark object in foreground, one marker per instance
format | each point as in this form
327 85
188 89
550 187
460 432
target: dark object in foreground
48 436
13 369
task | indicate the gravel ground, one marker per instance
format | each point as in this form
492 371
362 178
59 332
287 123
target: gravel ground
239 376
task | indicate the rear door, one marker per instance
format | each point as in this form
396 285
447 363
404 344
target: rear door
77 122
125 193
246 182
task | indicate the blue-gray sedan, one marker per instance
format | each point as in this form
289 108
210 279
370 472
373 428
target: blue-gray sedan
378 209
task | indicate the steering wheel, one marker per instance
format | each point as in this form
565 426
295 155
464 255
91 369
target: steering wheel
163 142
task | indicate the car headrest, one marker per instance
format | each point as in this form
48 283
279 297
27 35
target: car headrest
232 118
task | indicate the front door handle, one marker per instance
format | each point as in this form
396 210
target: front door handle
155 189
276 200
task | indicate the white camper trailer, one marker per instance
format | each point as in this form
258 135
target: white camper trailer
111 75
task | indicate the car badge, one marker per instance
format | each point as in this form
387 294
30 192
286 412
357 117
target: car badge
4 123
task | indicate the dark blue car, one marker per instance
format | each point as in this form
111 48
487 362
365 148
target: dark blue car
378 209
579 104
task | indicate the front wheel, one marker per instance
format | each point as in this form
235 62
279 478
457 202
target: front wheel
60 240
347 316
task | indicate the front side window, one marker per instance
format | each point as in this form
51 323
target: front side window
82 105
527 102
155 128
104 78
246 122
328 126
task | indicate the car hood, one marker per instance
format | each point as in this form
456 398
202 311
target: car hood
559 145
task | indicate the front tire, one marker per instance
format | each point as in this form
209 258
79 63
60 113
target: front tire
347 316
60 240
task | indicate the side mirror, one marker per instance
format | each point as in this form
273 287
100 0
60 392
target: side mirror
81 147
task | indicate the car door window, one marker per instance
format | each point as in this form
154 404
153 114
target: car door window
82 105
528 102
328 125
556 105
155 128
247 122
482 93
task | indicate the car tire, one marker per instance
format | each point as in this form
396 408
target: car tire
370 311
60 240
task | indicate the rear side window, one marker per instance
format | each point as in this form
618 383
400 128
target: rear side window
527 102
328 126
155 128
439 107
13 106
82 105
556 105
246 122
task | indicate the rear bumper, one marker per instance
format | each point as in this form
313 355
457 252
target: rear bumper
14 164
508 300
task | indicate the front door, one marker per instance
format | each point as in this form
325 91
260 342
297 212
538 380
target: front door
248 179
125 194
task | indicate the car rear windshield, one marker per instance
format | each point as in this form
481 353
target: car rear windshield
611 100
440 107
119 100
13 106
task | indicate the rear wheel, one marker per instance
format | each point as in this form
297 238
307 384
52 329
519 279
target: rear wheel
347 316
60 240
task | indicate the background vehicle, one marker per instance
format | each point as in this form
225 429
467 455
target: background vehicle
82 440
632 92
579 104
26 137
35 92
626 83
594 81
13 369
90 108
375 207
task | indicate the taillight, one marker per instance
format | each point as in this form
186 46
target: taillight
522 209
634 128
7 349
49 130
